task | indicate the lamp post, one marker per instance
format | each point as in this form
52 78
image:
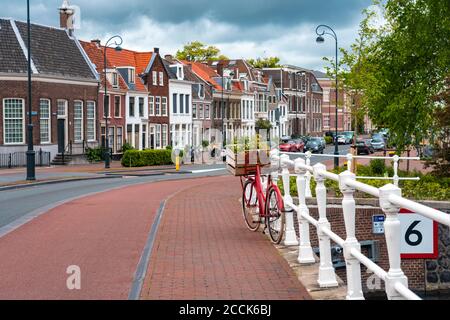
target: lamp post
320 39
31 164
117 42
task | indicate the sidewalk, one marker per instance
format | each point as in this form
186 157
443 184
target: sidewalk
204 251
17 176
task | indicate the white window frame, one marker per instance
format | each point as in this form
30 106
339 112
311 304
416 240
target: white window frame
155 78
120 107
151 105
109 105
23 122
207 107
74 120
159 106
164 103
117 140
158 141
91 119
131 75
49 129
115 80
161 79
164 135
194 114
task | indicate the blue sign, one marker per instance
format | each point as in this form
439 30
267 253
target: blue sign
378 224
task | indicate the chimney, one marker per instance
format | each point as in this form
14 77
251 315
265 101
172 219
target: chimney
169 57
96 42
66 16
156 50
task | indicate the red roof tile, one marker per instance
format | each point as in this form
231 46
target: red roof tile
205 72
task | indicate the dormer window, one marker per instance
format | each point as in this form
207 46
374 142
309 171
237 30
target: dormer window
115 80
131 75
201 91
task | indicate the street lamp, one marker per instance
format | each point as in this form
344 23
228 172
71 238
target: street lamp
117 43
321 39
31 164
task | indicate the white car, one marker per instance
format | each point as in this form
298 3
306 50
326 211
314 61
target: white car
341 140
378 143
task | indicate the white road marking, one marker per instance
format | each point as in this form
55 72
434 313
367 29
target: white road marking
208 170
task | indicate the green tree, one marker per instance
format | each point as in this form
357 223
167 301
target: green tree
263 124
407 67
197 51
270 62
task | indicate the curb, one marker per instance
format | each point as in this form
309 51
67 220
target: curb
29 185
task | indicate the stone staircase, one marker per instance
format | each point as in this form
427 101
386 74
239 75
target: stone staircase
59 160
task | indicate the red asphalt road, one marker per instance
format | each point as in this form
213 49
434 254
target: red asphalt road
103 234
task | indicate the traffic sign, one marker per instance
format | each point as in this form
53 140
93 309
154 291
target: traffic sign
378 224
419 236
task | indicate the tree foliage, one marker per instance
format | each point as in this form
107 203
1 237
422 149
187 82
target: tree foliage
399 65
270 62
197 51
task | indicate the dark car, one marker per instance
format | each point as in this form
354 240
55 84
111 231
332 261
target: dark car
315 146
362 147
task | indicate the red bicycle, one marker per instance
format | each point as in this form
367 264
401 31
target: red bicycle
262 202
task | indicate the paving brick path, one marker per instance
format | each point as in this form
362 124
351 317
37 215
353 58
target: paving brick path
204 251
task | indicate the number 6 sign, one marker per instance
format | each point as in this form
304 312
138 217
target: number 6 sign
419 236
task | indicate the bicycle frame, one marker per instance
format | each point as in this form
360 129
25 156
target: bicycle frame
262 196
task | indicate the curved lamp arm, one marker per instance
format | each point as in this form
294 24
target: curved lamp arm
324 27
117 42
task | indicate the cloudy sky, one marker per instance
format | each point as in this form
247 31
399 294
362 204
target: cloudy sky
240 28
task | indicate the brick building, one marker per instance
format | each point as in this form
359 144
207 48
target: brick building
64 90
305 96
156 79
117 89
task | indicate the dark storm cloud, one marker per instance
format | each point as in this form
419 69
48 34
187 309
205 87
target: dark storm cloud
116 13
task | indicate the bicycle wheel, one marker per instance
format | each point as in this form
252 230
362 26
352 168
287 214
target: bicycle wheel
275 217
250 206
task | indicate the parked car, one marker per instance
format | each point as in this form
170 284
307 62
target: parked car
369 143
315 146
300 145
378 143
342 139
362 147
289 146
321 140
349 136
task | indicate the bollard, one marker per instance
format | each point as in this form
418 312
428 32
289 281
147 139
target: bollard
291 238
177 163
392 230
305 253
327 275
354 287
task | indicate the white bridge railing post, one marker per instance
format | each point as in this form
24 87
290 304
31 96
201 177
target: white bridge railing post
392 230
308 193
290 238
305 252
353 266
327 276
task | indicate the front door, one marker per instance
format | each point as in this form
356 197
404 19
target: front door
61 135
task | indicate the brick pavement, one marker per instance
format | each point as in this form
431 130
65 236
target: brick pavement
204 251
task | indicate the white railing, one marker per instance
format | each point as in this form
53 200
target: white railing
396 283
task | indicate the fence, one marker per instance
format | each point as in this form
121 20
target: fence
396 283
19 159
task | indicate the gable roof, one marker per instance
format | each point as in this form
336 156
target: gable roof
205 72
320 75
53 52
96 56
129 58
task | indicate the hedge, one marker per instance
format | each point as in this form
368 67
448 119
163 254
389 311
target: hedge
136 158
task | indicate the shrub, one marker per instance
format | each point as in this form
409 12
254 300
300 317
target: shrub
95 154
377 166
205 143
329 140
136 158
127 146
